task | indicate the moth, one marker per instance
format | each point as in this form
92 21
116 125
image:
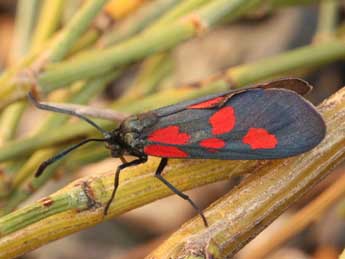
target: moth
263 121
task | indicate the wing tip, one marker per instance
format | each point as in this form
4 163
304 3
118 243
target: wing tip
295 84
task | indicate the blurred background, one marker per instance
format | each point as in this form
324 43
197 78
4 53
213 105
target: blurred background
261 34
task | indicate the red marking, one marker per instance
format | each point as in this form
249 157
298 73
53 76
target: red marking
169 135
260 138
223 121
212 143
207 104
164 151
47 202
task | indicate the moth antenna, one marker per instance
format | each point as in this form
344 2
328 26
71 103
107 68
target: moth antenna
47 107
60 155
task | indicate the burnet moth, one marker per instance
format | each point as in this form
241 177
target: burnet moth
264 121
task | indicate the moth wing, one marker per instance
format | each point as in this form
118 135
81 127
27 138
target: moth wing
258 123
294 84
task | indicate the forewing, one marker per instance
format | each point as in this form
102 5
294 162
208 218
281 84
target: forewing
294 84
257 123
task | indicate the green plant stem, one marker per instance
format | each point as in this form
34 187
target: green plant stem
86 41
141 46
235 219
74 29
306 57
11 115
268 192
135 23
85 156
181 9
25 20
328 19
50 17
24 24
152 71
10 118
285 3
13 90
70 9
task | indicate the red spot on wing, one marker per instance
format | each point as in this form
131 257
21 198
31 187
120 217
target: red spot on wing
169 135
207 104
223 121
212 143
260 138
164 151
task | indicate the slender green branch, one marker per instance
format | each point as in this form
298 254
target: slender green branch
74 29
284 3
50 15
25 20
55 51
152 71
328 19
143 17
48 22
10 118
141 46
181 9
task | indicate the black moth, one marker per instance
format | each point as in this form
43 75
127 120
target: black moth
264 121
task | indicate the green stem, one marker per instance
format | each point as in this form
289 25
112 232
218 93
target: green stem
152 71
56 50
74 29
10 118
141 46
328 19
181 9
137 22
25 20
43 209
286 3
50 17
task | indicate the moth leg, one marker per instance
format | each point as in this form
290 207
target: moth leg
138 161
158 174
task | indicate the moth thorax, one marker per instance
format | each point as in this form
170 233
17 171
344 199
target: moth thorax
131 139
